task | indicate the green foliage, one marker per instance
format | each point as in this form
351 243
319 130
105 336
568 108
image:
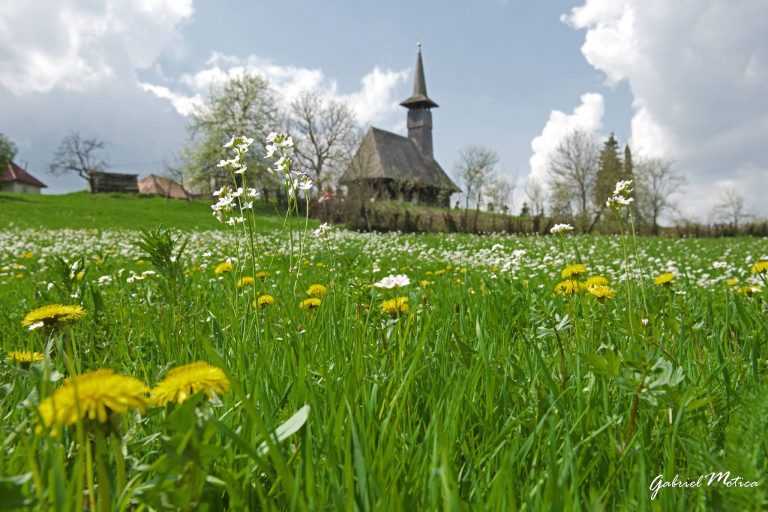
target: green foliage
610 171
165 254
243 105
7 152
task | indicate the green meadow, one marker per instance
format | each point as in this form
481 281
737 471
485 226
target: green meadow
490 385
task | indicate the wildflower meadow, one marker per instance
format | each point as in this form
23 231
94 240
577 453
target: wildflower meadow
314 368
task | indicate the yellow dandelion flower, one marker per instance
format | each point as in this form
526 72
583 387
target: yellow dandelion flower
316 290
222 268
761 267
573 271
261 274
732 281
264 301
27 256
749 290
311 303
601 291
395 306
596 280
664 279
183 382
92 396
245 281
566 287
24 358
53 315
423 283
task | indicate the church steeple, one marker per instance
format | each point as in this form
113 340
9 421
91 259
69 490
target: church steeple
419 115
419 98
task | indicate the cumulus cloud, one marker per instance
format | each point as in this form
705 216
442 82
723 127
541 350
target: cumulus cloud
697 72
374 102
588 116
76 44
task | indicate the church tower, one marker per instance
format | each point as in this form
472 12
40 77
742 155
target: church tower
419 114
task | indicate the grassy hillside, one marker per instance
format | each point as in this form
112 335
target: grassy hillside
84 210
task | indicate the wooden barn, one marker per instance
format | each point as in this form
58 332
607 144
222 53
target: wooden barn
16 179
390 166
113 182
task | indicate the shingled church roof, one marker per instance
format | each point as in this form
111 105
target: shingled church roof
386 155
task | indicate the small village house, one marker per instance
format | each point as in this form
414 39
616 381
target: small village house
16 179
160 186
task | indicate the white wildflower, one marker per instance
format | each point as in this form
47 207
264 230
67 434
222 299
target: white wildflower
561 229
393 281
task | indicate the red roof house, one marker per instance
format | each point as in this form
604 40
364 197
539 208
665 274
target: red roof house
16 179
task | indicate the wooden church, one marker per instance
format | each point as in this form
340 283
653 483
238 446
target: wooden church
388 166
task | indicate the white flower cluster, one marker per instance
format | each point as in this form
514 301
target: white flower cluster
280 146
322 230
622 195
561 229
239 144
232 203
393 281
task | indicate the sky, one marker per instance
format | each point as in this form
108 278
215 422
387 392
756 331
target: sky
682 80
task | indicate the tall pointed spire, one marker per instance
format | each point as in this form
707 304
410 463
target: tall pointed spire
419 98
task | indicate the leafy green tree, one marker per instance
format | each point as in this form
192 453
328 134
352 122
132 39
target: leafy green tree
629 166
610 171
7 152
244 105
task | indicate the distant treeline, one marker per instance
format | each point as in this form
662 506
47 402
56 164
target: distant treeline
391 216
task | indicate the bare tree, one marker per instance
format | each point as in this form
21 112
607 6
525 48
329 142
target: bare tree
656 182
474 170
573 167
536 195
730 207
326 136
560 199
501 190
78 155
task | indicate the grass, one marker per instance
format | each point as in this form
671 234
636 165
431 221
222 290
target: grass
491 393
81 210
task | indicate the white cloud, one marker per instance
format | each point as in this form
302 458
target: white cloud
374 102
697 71
184 105
588 116
76 44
